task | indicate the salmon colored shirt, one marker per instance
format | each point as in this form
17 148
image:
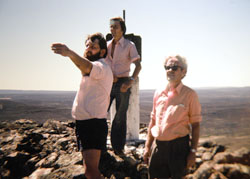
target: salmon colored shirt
124 54
93 96
173 112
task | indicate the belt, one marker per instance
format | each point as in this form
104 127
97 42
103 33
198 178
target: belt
122 79
173 141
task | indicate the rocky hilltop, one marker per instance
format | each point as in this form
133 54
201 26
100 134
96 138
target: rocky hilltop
48 151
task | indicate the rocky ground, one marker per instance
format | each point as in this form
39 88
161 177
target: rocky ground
48 151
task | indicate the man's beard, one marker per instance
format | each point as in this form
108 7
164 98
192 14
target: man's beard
93 58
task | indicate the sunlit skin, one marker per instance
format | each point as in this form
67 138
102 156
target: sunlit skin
92 48
117 33
174 77
116 30
83 63
92 52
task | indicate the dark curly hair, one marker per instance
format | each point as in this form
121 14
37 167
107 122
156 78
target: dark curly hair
102 41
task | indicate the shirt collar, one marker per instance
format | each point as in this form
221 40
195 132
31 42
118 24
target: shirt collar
177 89
101 60
121 41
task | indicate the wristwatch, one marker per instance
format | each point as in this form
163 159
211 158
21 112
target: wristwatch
132 78
193 150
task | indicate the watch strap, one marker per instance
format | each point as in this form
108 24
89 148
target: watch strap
193 150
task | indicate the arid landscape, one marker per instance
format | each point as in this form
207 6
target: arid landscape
225 111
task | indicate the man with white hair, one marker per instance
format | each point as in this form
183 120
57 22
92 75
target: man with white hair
176 116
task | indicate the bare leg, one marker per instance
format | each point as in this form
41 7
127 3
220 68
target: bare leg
91 160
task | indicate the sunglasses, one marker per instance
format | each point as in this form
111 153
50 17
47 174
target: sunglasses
174 68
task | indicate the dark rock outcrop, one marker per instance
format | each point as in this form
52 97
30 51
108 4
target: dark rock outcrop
34 151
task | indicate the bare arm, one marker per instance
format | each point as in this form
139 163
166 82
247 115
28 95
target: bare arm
137 68
82 63
148 144
125 86
194 143
195 135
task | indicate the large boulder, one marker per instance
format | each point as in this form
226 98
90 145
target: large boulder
241 156
47 151
71 171
234 171
40 173
204 171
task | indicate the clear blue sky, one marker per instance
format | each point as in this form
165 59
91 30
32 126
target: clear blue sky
214 36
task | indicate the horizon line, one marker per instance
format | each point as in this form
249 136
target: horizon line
48 90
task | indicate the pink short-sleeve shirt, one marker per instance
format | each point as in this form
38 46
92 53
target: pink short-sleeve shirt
174 111
93 97
125 53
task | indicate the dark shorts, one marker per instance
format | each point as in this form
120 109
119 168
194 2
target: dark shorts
169 158
91 134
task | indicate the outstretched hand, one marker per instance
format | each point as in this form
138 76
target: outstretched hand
60 49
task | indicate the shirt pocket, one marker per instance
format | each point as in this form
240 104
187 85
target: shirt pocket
176 113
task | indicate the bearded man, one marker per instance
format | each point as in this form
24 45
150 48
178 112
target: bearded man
92 100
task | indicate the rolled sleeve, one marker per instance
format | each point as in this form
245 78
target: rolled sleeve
133 53
195 109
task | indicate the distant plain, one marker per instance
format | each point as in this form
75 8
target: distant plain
225 111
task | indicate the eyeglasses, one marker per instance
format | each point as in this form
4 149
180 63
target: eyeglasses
174 68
